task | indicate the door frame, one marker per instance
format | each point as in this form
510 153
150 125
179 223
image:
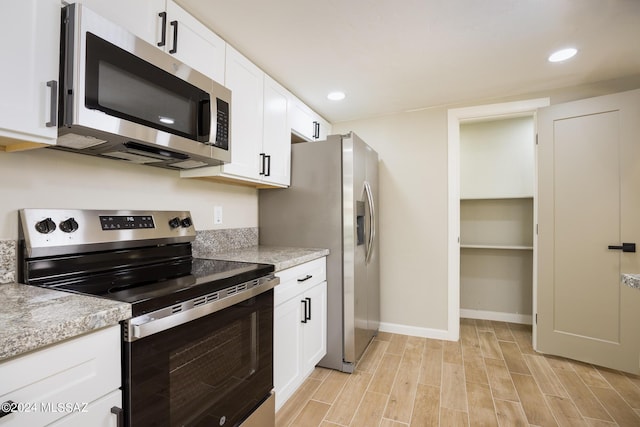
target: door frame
455 117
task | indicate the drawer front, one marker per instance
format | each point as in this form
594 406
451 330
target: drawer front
96 414
298 279
47 384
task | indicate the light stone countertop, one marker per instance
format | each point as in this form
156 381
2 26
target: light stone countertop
33 317
281 257
631 280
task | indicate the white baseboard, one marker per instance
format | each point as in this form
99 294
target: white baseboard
394 328
443 334
525 319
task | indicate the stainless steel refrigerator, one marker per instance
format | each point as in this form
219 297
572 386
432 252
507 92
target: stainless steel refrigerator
332 203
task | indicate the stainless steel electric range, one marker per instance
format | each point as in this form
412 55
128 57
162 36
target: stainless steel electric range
198 350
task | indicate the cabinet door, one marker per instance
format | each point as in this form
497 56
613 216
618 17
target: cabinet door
301 119
197 46
140 17
246 82
86 368
324 129
315 330
276 141
287 349
29 76
307 123
96 414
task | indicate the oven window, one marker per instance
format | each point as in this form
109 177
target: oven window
125 86
208 372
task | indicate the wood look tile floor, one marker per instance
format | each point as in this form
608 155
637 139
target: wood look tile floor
491 377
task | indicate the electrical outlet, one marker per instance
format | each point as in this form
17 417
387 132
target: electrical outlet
217 215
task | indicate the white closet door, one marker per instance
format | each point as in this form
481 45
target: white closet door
588 200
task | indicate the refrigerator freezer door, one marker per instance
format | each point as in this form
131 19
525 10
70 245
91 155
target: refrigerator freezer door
323 207
356 191
373 264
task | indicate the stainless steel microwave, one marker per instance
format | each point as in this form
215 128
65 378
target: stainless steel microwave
123 98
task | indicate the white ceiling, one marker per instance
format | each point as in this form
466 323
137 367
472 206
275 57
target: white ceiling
390 56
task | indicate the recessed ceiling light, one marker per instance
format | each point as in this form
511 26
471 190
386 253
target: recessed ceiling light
336 96
563 54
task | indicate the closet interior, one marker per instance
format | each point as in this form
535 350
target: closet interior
497 165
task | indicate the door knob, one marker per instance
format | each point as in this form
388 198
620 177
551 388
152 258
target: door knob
626 247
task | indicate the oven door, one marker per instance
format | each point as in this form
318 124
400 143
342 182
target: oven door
212 371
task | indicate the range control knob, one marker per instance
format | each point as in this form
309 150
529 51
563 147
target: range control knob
174 222
45 226
186 222
69 225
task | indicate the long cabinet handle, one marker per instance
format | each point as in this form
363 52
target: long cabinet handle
268 171
309 301
119 413
163 36
53 106
304 302
305 278
174 24
262 163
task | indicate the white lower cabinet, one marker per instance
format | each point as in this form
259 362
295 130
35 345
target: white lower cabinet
300 326
73 383
98 413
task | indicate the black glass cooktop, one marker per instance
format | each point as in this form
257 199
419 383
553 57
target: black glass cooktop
150 287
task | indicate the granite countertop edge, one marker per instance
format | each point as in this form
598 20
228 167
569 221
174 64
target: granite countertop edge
631 280
281 257
33 317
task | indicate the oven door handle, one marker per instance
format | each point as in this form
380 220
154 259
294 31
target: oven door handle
146 325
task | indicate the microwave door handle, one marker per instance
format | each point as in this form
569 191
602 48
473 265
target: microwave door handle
204 121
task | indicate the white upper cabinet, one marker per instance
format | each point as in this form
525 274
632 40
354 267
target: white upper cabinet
277 134
196 45
246 82
140 17
164 24
306 123
260 133
29 76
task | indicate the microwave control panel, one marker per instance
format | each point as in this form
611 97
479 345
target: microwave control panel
222 128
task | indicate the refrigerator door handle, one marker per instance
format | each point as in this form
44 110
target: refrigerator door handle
372 221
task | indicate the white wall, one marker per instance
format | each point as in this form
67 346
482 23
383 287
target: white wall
47 178
413 205
497 158
412 148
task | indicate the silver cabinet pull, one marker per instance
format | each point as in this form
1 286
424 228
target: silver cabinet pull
53 106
